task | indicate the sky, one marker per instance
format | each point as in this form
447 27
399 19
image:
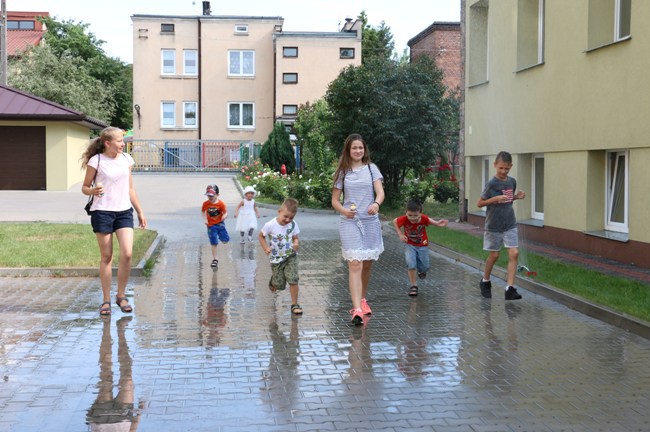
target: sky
110 20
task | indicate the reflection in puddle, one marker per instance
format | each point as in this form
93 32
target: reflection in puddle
112 412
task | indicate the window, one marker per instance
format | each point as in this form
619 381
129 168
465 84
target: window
530 33
241 63
168 110
290 78
166 28
241 29
20 25
609 21
486 175
538 187
190 117
190 62
478 43
290 52
241 115
168 62
346 53
289 110
616 191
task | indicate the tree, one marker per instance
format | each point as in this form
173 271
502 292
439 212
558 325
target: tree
277 150
312 138
64 80
376 42
399 109
70 41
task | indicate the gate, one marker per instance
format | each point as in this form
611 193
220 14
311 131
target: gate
191 155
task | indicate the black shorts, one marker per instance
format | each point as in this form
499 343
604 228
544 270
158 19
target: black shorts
107 222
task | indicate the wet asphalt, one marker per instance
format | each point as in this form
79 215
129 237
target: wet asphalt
215 350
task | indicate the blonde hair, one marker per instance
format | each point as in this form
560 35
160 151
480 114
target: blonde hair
290 205
96 145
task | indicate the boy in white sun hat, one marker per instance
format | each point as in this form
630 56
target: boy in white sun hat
247 217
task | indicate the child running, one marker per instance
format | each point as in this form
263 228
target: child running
500 224
214 212
282 247
416 251
247 217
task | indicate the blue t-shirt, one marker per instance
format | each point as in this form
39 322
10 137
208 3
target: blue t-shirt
500 217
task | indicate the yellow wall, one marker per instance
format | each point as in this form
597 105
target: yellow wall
572 108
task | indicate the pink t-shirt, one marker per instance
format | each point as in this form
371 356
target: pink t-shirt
114 174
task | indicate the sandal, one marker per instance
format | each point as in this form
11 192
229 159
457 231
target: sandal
296 309
413 291
126 308
105 311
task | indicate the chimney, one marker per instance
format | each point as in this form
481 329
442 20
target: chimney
206 8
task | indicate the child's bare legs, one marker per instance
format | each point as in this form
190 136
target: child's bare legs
412 273
293 290
513 257
489 264
125 239
214 251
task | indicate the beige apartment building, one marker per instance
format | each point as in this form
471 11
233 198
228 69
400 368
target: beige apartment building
563 87
221 78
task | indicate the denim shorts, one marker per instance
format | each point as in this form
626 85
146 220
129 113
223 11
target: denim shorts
417 257
218 232
494 241
107 222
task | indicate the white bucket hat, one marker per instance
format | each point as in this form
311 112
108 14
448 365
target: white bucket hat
248 189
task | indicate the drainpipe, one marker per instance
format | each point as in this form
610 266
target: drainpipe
200 72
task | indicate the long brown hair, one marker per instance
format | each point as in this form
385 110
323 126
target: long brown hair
345 161
96 145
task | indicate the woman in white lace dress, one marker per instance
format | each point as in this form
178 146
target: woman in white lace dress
360 183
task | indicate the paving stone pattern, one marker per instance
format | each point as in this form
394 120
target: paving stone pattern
213 350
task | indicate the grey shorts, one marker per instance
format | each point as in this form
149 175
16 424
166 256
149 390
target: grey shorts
494 241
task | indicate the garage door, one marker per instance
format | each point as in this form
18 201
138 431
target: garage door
22 166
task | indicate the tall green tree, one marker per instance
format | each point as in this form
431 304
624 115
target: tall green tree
311 136
68 40
376 42
399 109
277 150
64 80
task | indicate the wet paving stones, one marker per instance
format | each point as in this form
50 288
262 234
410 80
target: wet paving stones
213 350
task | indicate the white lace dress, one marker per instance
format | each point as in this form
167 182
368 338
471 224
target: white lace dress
361 236
246 218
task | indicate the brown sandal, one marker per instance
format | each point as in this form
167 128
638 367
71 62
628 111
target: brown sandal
103 311
126 308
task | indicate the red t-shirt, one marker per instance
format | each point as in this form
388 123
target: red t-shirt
214 211
416 233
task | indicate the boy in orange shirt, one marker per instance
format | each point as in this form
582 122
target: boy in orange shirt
214 211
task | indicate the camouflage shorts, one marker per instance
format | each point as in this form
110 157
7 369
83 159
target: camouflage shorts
284 272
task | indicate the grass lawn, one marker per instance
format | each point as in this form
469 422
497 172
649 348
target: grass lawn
49 245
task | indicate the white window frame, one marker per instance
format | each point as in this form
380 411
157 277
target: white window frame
613 191
478 49
486 175
522 31
617 19
535 187
241 72
241 116
187 122
162 61
187 57
241 29
163 105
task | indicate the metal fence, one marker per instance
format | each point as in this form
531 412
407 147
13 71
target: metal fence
192 155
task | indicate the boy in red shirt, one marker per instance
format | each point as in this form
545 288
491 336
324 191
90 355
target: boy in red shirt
414 235
214 212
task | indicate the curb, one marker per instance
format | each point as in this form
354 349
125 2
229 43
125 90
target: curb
602 313
137 270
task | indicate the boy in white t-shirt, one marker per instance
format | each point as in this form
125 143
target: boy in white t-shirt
282 235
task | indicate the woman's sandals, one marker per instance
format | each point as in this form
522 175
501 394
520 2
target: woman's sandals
126 308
